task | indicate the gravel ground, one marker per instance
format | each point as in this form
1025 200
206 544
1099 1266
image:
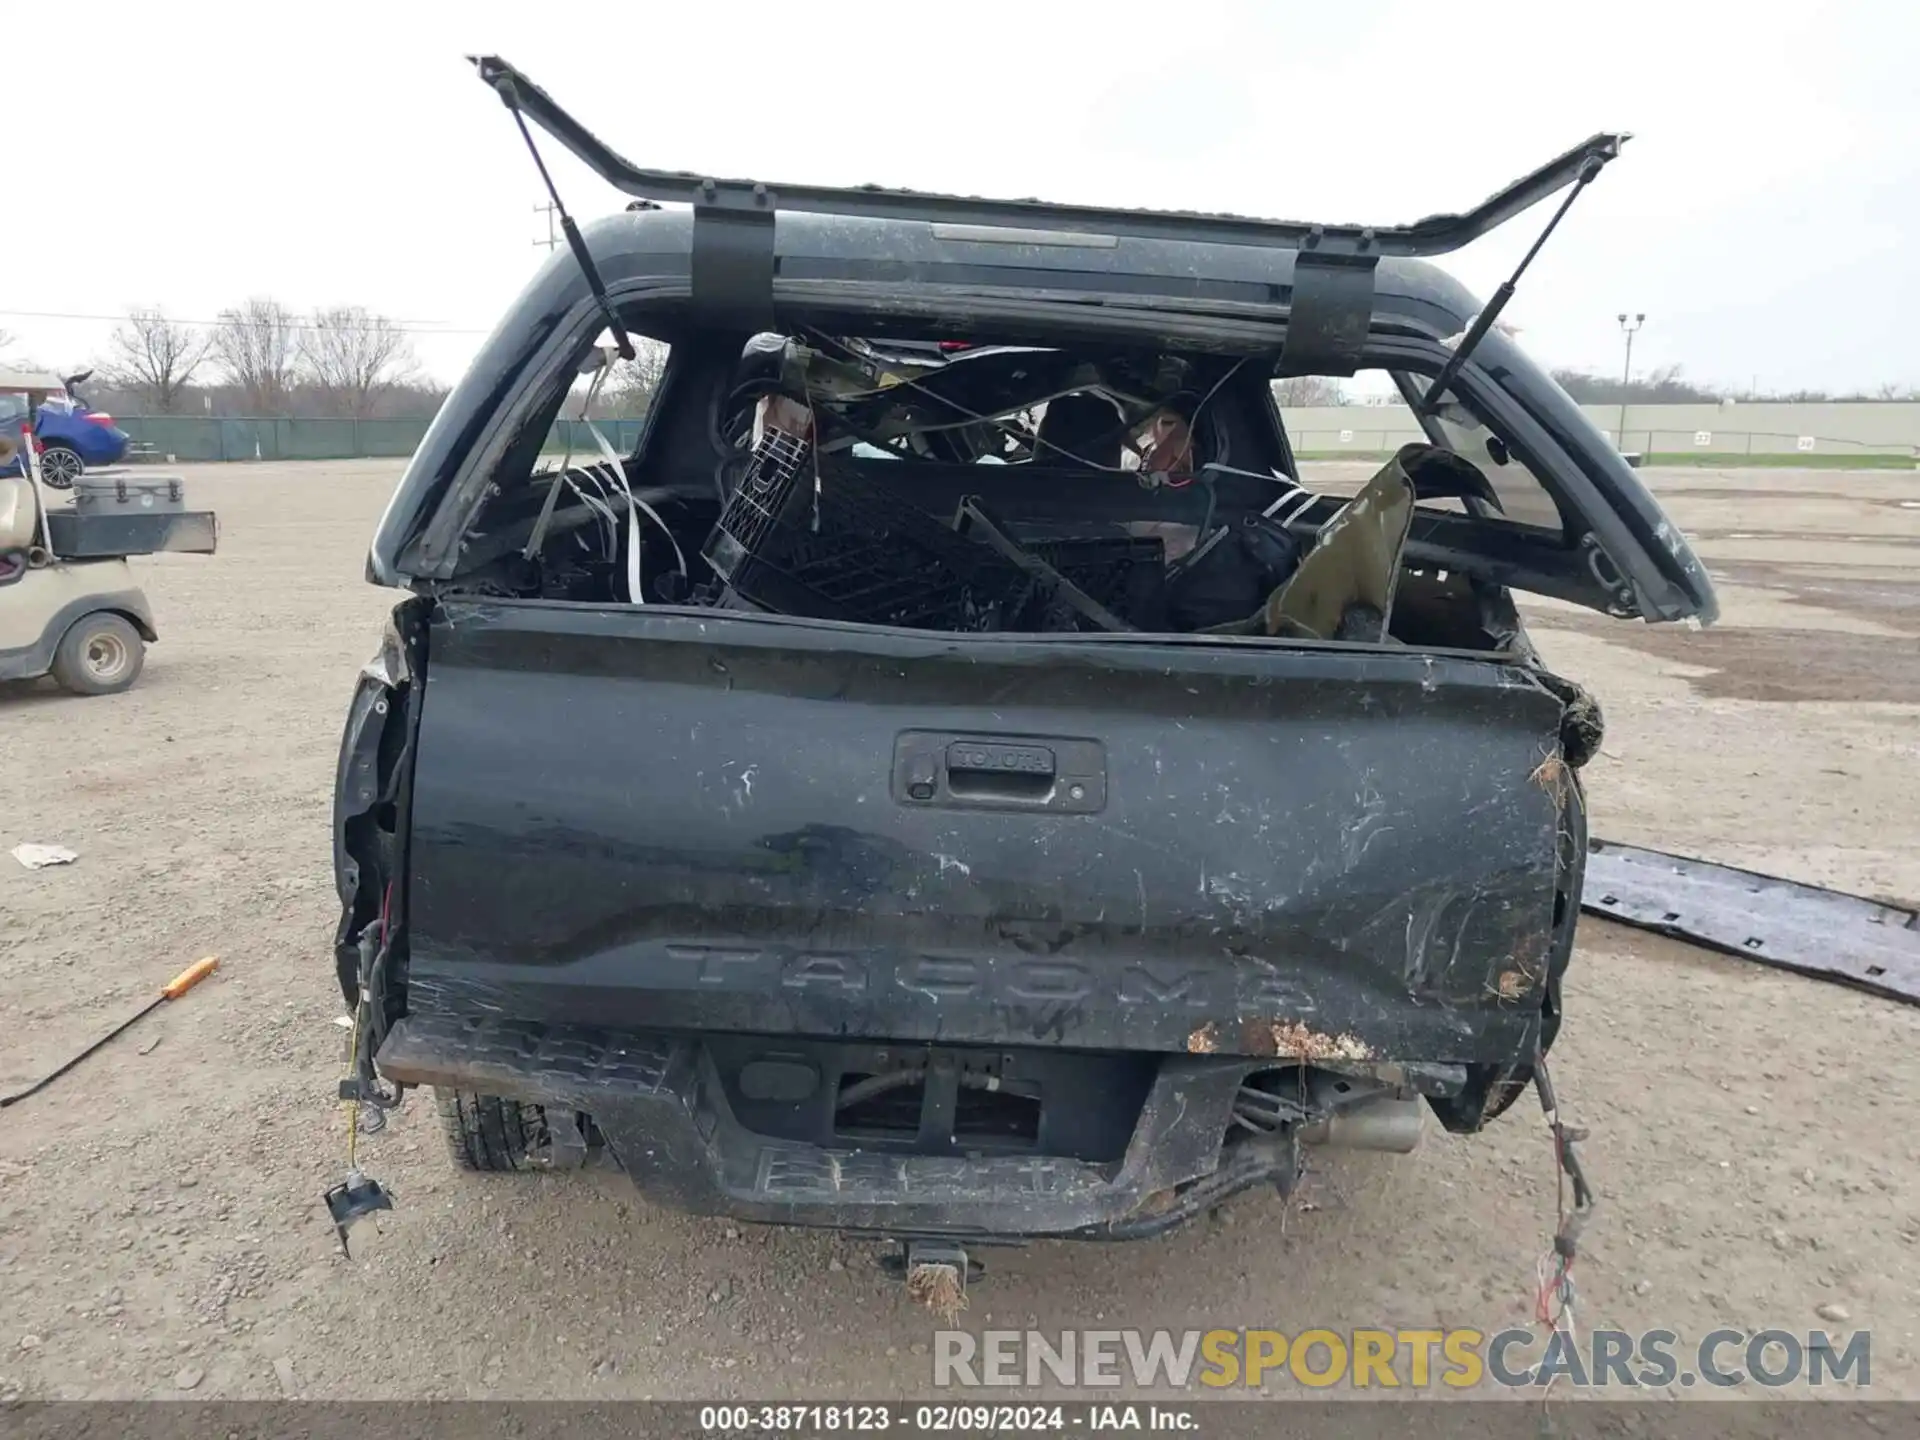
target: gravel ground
160 1228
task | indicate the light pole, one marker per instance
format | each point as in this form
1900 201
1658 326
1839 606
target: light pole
1626 371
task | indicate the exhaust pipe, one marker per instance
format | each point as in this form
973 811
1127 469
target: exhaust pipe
1390 1124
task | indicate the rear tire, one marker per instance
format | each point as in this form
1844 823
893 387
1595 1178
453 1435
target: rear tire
60 466
488 1133
101 654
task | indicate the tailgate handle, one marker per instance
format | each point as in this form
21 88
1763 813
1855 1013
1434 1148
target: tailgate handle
1028 774
994 770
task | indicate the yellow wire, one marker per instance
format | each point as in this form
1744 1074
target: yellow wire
353 1106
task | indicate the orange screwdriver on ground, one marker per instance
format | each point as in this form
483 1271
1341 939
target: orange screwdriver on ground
173 990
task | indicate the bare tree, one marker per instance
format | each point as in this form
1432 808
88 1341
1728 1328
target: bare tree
1303 390
1666 386
155 358
256 346
629 390
348 355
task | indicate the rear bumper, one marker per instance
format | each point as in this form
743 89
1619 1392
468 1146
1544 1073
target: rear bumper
665 1114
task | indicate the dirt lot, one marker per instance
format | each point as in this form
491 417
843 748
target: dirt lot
159 1210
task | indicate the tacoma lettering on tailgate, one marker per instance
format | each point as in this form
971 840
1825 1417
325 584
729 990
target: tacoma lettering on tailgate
1163 984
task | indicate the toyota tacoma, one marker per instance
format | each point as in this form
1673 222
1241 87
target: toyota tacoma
955 777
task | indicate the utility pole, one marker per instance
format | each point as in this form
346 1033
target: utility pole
552 239
1626 373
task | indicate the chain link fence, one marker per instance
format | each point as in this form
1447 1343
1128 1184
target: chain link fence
179 438
176 438
1681 447
1655 446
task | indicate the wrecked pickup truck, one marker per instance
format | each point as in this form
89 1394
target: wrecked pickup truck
953 778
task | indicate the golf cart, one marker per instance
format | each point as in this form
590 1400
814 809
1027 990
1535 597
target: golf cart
69 606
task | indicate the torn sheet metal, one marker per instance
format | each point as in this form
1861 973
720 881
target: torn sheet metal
1818 932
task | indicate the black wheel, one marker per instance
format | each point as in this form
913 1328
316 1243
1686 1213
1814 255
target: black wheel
60 467
101 654
485 1132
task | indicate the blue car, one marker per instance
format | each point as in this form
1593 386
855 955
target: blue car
74 437
71 436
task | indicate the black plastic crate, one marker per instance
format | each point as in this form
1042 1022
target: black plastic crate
1127 574
858 552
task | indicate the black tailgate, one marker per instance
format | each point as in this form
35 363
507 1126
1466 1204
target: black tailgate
675 819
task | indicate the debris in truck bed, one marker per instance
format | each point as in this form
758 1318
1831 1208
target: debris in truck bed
809 526
828 541
964 487
853 552
1344 586
1823 933
1234 570
1053 592
1127 575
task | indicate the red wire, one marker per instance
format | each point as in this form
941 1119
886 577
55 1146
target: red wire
1544 1297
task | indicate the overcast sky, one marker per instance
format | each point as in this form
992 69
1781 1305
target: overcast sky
1766 215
